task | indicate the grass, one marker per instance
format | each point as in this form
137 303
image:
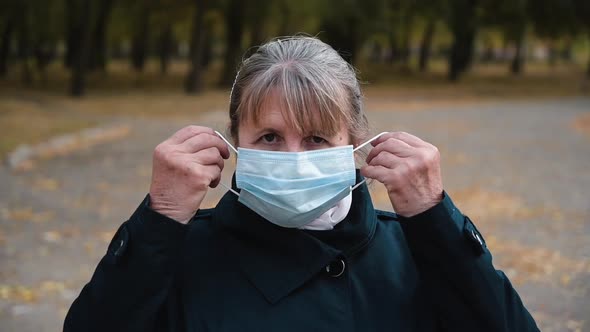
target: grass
30 114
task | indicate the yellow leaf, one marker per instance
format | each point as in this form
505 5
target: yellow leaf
46 184
25 294
52 236
52 286
27 214
5 292
106 236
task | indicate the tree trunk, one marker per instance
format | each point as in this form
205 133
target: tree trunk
463 26
98 54
285 25
5 44
257 22
234 21
165 45
393 56
193 83
139 43
426 45
72 32
341 34
257 36
376 53
406 42
24 45
552 58
350 40
44 54
80 61
461 55
566 51
518 59
207 55
488 55
354 41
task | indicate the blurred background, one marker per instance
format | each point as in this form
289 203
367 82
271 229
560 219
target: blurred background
89 87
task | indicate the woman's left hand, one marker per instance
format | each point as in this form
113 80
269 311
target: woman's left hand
410 170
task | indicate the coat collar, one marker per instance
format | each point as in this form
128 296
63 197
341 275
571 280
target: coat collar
278 260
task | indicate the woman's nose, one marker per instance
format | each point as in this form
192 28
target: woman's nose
293 147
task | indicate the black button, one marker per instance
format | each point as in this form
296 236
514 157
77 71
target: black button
474 237
336 268
119 250
118 245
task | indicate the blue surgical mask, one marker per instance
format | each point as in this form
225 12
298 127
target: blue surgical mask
292 189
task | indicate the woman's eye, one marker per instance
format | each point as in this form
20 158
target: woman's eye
317 140
269 138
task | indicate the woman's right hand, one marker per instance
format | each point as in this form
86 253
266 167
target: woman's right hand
184 167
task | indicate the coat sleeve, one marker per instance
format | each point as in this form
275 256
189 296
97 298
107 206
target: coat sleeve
465 290
131 288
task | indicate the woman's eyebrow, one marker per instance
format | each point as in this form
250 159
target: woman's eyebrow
321 133
268 129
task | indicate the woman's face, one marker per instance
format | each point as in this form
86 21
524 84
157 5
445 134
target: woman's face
273 132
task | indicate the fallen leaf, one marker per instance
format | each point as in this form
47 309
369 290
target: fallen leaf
46 184
5 291
106 236
52 236
25 294
27 214
89 247
70 232
582 124
527 263
103 186
575 325
52 286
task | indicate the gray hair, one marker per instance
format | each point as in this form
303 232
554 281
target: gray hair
311 77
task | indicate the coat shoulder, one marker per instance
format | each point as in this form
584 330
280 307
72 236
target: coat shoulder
383 215
388 222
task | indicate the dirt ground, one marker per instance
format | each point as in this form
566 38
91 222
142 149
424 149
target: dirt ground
519 168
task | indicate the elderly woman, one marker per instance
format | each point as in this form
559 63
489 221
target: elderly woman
295 244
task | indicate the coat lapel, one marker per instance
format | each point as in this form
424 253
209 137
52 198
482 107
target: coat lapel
278 260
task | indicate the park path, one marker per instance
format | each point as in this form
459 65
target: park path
520 170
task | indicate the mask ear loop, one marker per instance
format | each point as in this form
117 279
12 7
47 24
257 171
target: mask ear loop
369 141
236 152
226 141
360 147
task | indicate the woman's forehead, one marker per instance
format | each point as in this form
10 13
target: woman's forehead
275 113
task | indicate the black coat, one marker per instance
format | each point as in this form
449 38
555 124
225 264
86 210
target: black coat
230 270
